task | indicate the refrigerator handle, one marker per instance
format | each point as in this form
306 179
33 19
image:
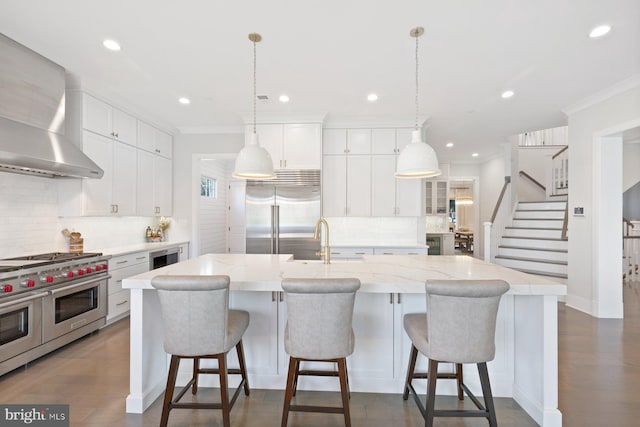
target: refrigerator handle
273 229
276 226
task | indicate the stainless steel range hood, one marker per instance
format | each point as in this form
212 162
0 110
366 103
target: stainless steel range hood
32 108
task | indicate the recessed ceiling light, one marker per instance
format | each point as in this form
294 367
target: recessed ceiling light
449 144
507 94
184 100
111 45
475 155
284 98
372 97
599 31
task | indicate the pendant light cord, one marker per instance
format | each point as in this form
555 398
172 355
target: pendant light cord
254 87
417 37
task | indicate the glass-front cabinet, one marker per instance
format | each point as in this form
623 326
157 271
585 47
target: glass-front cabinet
436 197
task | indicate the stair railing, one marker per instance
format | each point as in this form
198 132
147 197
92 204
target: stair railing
560 172
630 250
565 222
532 179
499 220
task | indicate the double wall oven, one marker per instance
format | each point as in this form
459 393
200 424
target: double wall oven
47 301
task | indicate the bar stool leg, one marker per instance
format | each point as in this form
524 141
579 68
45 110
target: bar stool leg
431 392
168 393
459 380
224 391
196 368
289 390
295 376
243 367
486 393
344 388
412 367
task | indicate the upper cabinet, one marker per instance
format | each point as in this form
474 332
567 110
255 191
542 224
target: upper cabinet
436 197
291 145
154 140
105 120
346 141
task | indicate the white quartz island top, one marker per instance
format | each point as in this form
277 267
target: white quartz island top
378 273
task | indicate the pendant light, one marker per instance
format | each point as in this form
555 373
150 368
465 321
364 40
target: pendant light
417 159
465 198
253 161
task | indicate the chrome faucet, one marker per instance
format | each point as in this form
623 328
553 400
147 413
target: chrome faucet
325 254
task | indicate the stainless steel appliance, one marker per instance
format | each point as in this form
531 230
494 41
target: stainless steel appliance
163 257
47 301
281 214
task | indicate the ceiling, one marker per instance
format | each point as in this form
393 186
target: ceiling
328 55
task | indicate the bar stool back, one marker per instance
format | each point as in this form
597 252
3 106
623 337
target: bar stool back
198 324
319 328
459 327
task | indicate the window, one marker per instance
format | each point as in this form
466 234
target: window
208 187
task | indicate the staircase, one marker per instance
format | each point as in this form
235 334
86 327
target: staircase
533 242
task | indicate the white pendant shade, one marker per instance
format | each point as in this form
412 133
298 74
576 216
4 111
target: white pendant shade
464 200
417 160
253 162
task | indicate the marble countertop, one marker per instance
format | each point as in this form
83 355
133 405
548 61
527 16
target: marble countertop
140 247
378 273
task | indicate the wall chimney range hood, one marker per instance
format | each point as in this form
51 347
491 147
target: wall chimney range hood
32 109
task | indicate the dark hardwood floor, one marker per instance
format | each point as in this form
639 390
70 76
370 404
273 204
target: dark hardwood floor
599 384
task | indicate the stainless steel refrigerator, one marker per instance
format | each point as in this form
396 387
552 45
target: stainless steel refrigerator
281 214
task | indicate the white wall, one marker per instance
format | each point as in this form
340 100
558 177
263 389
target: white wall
630 169
188 150
212 212
595 174
535 161
29 221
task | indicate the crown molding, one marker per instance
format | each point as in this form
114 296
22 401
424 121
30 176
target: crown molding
375 122
283 118
201 130
603 95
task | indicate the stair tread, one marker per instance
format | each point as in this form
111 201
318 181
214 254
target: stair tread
534 228
542 273
545 261
528 248
534 238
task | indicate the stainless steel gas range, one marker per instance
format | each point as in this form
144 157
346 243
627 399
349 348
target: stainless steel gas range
47 301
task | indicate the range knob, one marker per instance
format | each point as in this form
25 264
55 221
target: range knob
6 288
29 283
89 270
80 272
46 279
69 274
98 267
105 266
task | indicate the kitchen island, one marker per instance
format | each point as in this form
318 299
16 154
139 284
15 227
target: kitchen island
525 367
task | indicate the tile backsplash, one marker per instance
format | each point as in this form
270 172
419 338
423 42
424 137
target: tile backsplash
376 231
29 221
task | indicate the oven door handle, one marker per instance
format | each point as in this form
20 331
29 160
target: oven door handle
77 285
25 299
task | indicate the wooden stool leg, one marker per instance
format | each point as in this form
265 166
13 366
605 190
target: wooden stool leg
243 367
224 390
295 376
431 392
168 393
289 390
486 393
459 380
412 367
344 388
196 368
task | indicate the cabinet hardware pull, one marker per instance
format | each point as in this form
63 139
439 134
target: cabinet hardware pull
122 262
141 257
281 296
360 253
119 281
398 298
123 302
391 298
273 296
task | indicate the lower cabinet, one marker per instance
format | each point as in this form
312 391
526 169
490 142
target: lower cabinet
381 352
355 252
121 267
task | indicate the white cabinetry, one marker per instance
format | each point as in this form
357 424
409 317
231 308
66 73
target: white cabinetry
121 267
291 145
183 252
354 252
114 193
436 197
154 140
154 183
346 172
103 119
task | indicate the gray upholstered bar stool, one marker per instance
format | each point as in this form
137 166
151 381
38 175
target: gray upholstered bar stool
198 324
319 319
459 327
